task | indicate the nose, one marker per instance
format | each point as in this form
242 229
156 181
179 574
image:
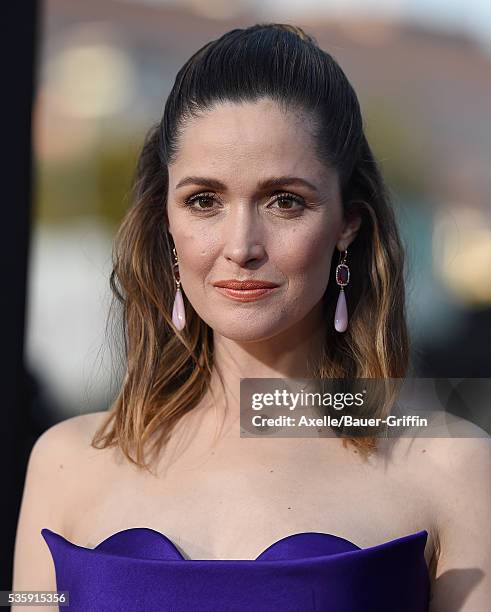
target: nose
243 235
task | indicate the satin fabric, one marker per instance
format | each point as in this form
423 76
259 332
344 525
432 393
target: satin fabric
141 570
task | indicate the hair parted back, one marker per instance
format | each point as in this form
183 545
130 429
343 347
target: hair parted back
167 372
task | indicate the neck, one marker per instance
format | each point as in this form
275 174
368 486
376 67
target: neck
289 354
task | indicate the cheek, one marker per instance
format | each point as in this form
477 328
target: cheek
305 256
197 253
195 246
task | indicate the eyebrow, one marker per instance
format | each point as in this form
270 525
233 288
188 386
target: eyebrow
276 181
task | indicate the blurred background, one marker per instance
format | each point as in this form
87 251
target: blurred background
422 71
102 71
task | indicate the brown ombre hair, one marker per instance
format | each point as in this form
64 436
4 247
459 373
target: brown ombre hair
167 372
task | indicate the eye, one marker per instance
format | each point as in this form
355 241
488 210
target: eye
289 198
195 202
200 197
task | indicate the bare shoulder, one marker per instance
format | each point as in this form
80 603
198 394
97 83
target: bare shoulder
65 446
447 445
453 475
460 473
65 453
449 476
457 448
77 430
463 503
457 455
60 472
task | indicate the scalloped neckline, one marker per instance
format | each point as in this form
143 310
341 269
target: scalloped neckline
288 539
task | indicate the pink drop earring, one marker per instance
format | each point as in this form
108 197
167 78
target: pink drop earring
342 279
178 312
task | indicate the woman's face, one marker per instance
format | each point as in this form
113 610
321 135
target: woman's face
228 223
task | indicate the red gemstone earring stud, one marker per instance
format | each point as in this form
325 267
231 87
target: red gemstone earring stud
342 279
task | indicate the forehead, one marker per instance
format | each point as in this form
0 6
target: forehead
258 136
246 121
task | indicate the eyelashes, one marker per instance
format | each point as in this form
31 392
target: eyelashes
280 198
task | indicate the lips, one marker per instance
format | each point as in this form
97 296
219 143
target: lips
245 285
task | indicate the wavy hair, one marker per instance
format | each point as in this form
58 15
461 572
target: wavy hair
167 372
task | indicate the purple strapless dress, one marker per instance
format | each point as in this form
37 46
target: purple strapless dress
141 570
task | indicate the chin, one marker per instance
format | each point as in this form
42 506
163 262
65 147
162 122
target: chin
244 331
246 337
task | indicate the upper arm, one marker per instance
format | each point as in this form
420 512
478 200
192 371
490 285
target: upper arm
33 566
48 491
463 575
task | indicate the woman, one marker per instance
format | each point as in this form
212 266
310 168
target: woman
258 171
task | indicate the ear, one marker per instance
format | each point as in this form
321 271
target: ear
351 225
